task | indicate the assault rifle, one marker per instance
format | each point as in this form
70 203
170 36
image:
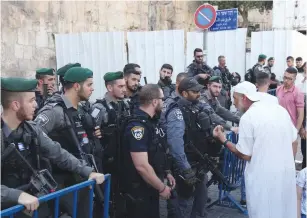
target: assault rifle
41 183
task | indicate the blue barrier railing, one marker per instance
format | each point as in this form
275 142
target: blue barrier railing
72 189
272 92
233 171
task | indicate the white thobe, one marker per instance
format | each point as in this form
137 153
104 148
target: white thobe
268 98
266 134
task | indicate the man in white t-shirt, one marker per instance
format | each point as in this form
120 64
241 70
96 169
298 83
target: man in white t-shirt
263 81
269 178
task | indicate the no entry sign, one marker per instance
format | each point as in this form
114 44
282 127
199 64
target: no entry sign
205 16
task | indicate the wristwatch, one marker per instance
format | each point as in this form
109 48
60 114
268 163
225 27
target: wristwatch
225 143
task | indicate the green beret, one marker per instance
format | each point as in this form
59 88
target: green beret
61 71
14 84
270 59
78 74
45 71
216 79
262 56
111 76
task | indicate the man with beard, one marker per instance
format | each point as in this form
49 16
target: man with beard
109 112
222 71
132 78
199 69
46 86
187 128
165 81
270 64
144 156
18 101
264 130
210 97
61 121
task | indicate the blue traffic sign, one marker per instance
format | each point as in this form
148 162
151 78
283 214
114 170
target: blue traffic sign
205 16
225 20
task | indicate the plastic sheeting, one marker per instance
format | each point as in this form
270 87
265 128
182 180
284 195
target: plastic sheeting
153 49
100 51
278 44
232 45
194 40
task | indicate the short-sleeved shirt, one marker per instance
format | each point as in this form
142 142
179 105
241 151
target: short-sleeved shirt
137 134
291 99
301 181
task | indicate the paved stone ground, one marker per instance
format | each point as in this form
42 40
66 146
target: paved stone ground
215 211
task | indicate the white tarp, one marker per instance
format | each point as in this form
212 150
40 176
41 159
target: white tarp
232 45
194 40
99 51
153 49
278 44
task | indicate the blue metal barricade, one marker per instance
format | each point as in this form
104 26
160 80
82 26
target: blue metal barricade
56 197
272 92
233 171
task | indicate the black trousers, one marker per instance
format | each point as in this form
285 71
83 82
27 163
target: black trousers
144 204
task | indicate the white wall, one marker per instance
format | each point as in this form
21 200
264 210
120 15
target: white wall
153 49
100 51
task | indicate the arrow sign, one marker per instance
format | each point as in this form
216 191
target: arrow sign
205 16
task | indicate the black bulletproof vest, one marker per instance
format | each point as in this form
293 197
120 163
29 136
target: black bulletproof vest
224 76
135 100
73 136
197 132
157 153
117 114
14 172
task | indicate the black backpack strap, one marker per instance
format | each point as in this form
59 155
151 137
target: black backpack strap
31 131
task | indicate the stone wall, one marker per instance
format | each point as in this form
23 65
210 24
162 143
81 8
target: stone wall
28 26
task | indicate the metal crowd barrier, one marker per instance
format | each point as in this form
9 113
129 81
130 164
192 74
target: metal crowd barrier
272 92
233 171
10 212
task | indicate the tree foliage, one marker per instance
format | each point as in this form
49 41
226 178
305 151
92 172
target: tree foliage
243 7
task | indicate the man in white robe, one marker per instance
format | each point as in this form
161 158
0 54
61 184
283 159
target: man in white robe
265 141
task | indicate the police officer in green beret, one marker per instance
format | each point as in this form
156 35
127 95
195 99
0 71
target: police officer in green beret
25 136
110 111
210 96
250 76
62 122
46 86
61 72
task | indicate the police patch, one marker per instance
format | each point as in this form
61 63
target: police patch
43 119
137 132
178 114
